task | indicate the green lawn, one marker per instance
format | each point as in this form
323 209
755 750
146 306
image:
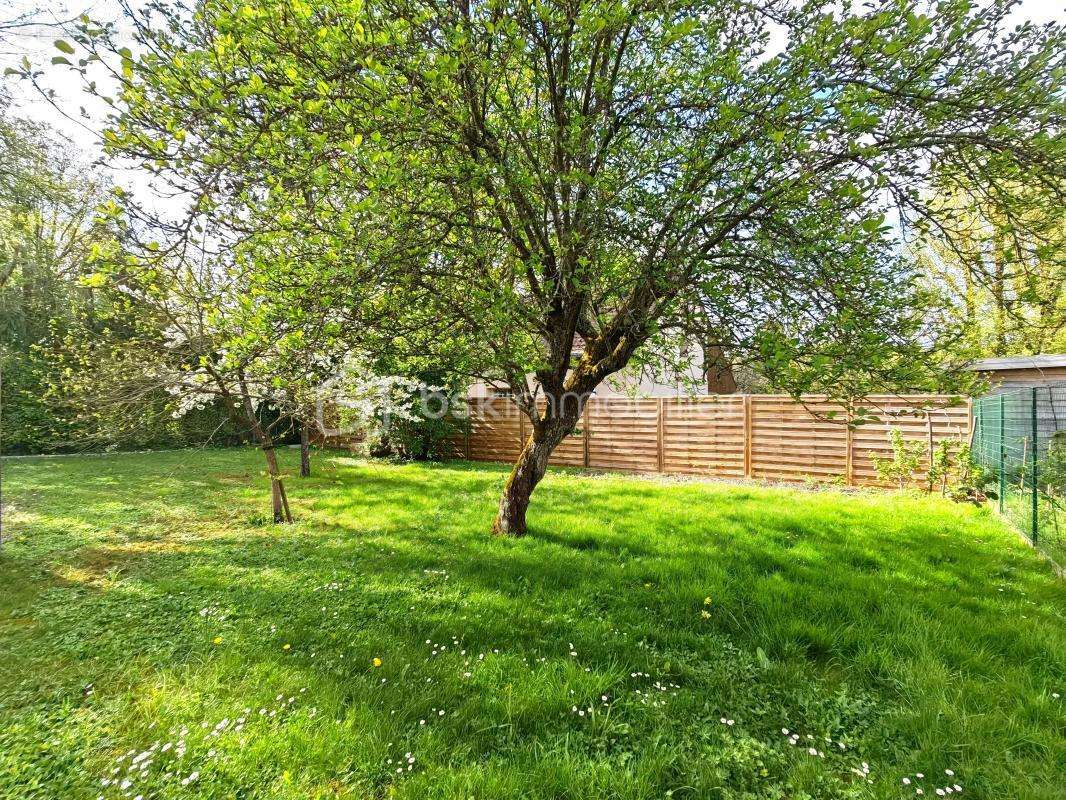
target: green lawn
646 640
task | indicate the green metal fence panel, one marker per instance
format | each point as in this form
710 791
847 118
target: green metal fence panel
1020 436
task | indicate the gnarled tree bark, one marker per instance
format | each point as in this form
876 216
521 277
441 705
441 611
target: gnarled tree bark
548 431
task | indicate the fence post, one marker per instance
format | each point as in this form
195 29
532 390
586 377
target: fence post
1002 452
1032 456
469 425
929 435
585 433
659 435
747 436
849 458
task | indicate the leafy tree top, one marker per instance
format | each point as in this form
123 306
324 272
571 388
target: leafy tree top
612 173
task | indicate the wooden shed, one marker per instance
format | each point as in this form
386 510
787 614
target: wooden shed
1017 372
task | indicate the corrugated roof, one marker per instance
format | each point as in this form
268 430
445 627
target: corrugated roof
1019 362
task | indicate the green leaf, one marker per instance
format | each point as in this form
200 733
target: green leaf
764 660
64 46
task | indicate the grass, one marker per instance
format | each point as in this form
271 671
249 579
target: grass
646 640
1051 521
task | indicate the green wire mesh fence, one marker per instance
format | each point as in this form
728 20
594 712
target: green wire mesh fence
1020 436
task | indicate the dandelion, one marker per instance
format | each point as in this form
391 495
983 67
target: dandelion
217 640
286 647
377 662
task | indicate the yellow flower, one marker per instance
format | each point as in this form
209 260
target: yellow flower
377 662
287 647
705 614
217 640
706 601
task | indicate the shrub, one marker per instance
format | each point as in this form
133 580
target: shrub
905 462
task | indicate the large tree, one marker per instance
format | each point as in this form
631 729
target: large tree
572 185
1003 282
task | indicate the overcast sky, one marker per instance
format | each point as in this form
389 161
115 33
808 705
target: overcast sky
36 43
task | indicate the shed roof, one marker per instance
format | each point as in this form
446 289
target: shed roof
1019 362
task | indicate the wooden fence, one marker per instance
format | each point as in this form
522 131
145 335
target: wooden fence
767 437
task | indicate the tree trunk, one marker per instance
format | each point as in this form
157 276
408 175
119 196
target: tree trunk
279 501
532 463
305 451
719 371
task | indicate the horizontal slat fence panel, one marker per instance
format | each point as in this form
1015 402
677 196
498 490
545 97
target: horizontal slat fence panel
768 437
624 434
495 430
571 451
704 435
791 441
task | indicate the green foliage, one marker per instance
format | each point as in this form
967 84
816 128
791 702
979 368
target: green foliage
944 459
997 261
906 460
974 482
524 177
910 629
30 424
37 418
1053 471
426 437
63 332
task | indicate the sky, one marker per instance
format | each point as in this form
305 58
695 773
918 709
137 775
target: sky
36 42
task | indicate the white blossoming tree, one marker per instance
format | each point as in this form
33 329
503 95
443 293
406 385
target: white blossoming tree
358 399
213 336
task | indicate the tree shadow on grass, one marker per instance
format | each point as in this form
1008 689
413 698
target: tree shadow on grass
622 575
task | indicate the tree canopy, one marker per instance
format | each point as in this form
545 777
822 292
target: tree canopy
569 186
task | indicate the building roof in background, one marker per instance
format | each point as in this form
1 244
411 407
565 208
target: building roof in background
1019 362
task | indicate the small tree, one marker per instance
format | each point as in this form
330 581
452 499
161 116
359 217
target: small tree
208 334
906 460
943 465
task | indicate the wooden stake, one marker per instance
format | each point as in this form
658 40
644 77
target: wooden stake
929 433
660 435
747 436
849 457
